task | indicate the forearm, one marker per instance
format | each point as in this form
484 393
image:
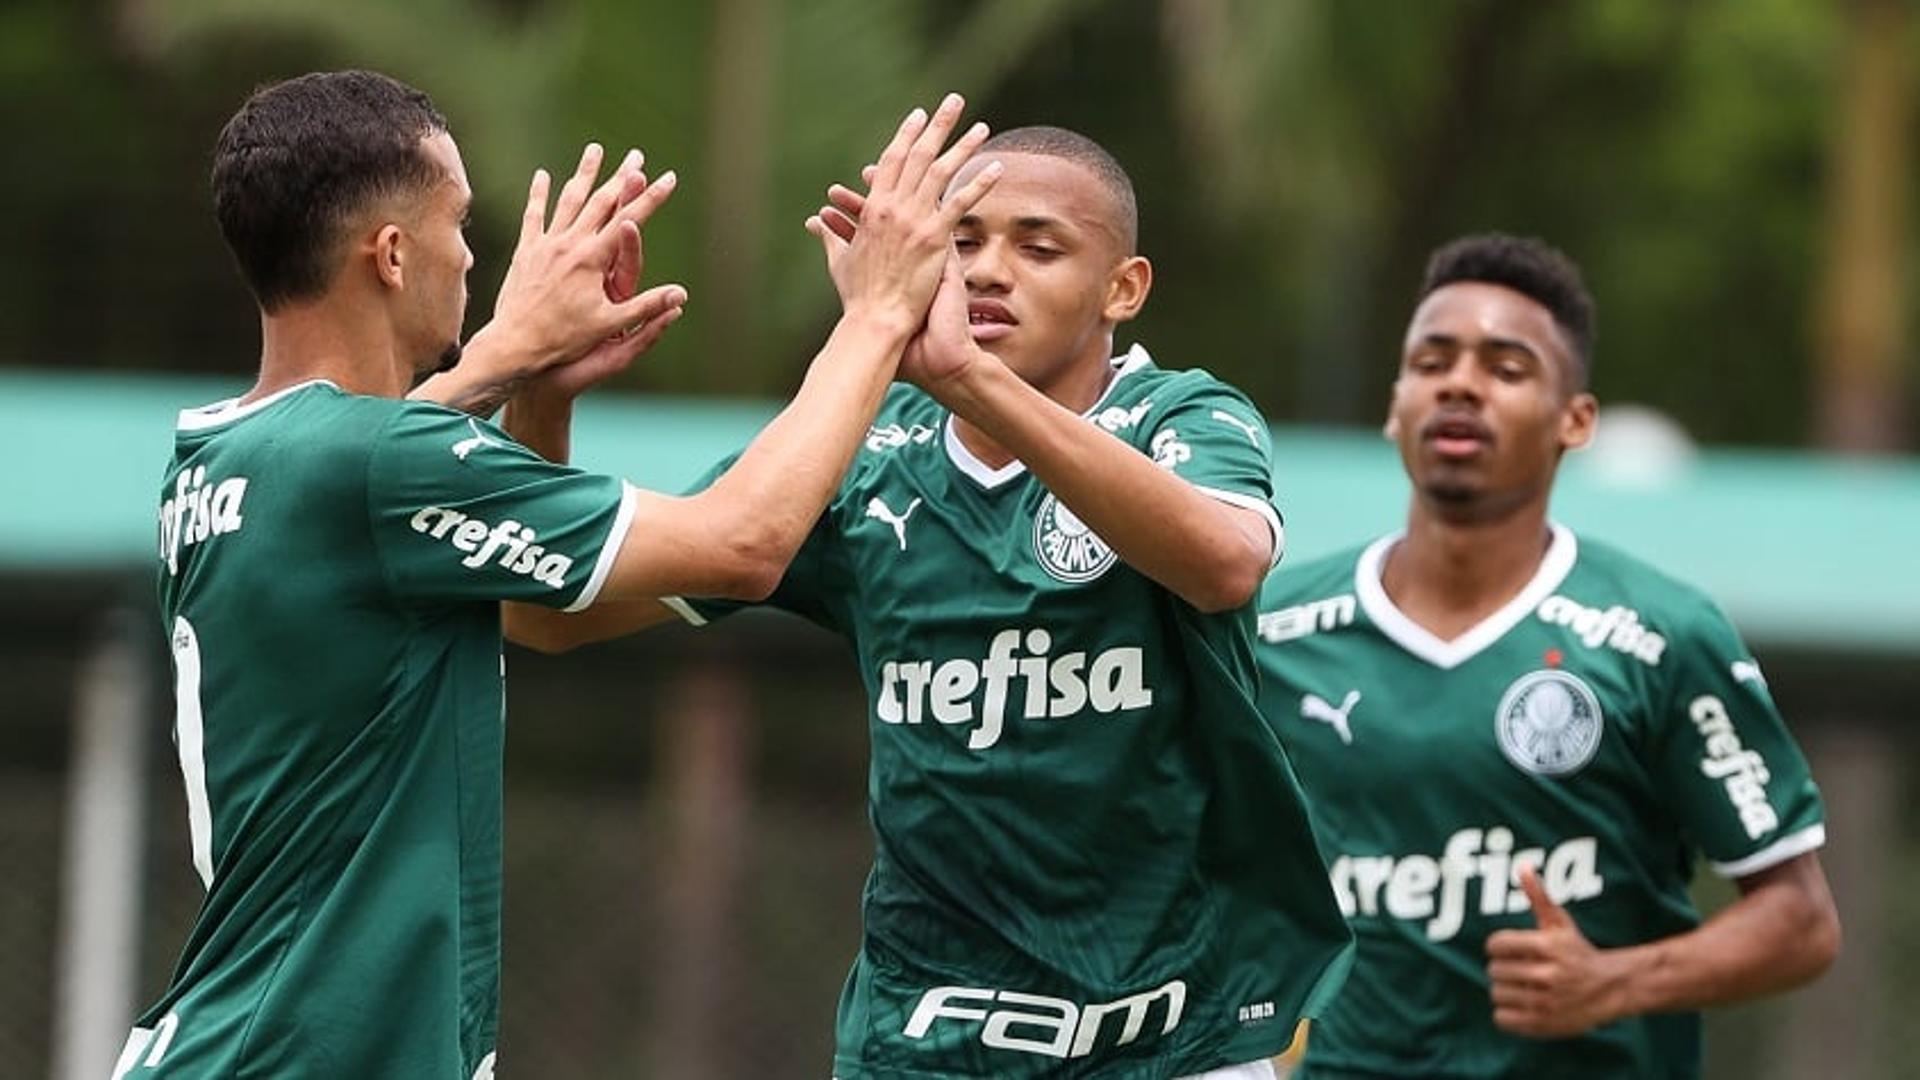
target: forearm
491 369
1780 934
736 538
546 630
1164 527
543 423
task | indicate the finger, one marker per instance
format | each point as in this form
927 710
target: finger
533 222
846 200
648 305
925 148
1519 973
606 198
1514 944
642 206
867 173
1512 996
831 243
887 170
1516 1021
623 277
943 170
843 226
962 201
647 334
1547 913
573 194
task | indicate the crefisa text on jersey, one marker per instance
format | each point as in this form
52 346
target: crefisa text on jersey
198 511
1743 771
1619 628
1054 686
1403 887
513 542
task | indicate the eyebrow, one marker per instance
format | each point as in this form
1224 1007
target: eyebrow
1031 223
1449 341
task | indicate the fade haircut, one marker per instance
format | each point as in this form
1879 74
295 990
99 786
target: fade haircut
1530 267
301 159
1084 152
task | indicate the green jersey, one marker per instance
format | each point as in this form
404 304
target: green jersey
1091 856
1607 727
330 567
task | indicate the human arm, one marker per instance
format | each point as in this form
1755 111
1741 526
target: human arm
1208 550
1551 982
735 538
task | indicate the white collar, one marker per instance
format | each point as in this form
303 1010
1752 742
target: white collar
964 459
1421 642
225 412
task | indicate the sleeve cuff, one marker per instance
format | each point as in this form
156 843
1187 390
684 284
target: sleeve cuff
1259 506
609 551
1787 847
685 610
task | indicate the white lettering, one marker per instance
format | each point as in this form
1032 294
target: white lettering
508 545
198 511
1742 772
1570 872
1043 1025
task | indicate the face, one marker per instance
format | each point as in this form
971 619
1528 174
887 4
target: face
1046 271
436 261
1486 402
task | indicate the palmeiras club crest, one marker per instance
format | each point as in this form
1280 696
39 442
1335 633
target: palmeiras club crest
1548 723
1067 549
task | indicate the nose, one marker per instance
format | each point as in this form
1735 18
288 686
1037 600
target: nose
985 267
1464 380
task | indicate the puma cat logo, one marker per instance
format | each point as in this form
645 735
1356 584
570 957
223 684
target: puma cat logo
467 446
882 512
1315 707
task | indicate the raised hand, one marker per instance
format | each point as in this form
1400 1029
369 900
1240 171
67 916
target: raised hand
570 290
890 267
1550 982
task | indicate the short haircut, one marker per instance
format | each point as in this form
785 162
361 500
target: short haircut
301 158
1530 267
1077 148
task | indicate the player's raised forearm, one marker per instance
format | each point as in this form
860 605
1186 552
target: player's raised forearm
1782 932
736 538
1210 554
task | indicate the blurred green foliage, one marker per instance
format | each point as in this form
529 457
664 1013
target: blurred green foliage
1295 161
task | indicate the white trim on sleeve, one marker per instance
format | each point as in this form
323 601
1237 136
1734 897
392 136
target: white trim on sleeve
1259 506
684 610
1787 847
610 550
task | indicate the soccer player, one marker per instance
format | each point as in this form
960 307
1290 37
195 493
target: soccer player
332 558
1517 741
1092 858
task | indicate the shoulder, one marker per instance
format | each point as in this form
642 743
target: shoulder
1610 586
1141 376
907 418
1310 596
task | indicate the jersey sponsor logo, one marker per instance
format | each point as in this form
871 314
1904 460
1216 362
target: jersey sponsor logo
1315 707
200 510
1168 450
1405 887
1292 623
467 446
1050 1026
1548 722
893 436
1748 671
510 540
1068 550
962 691
1618 628
1742 771
1116 419
1225 417
880 511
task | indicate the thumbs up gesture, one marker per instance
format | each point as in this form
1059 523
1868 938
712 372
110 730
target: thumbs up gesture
1551 982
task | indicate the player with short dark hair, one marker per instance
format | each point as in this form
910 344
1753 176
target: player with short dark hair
1091 857
1519 741
332 558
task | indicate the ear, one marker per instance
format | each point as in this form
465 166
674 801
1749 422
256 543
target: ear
1577 420
1127 289
389 256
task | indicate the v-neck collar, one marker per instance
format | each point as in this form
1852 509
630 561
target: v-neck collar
226 412
1421 642
988 477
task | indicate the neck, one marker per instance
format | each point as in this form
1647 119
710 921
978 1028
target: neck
331 338
1448 574
1075 389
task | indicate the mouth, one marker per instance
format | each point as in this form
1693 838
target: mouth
989 320
1457 436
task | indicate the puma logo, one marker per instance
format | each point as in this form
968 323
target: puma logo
467 446
1315 707
1227 417
881 511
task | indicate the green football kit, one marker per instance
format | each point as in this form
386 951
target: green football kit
1606 727
1091 855
330 571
